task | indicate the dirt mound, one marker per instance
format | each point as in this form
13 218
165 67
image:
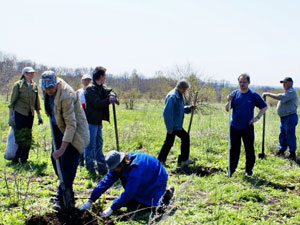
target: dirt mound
58 218
199 171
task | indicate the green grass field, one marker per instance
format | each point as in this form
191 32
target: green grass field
271 196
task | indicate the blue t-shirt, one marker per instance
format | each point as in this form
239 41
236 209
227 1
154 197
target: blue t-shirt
243 105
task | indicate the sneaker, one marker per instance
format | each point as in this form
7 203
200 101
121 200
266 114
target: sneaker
248 174
186 163
280 153
292 156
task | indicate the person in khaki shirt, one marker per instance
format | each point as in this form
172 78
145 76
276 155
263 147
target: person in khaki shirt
70 132
23 102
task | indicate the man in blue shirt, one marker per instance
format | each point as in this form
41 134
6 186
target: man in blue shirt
173 116
287 111
243 102
143 177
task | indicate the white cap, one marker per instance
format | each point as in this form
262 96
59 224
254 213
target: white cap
86 76
28 69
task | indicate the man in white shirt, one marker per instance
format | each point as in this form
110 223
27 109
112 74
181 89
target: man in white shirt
85 80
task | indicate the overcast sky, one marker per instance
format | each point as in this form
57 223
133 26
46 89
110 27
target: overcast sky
220 38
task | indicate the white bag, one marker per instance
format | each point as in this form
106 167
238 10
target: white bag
11 145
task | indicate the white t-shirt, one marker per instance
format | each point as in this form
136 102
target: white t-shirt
80 93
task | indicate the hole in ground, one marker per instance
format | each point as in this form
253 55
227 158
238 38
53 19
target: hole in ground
76 217
198 170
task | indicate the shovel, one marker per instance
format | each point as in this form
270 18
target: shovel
116 127
262 154
229 140
66 194
192 115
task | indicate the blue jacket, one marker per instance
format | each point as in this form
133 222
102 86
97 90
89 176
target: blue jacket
144 179
174 111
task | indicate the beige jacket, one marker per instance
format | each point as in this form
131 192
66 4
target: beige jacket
70 117
23 98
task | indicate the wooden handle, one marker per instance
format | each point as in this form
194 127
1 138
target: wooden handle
191 120
116 126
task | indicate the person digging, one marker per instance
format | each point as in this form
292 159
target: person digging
143 178
173 116
70 134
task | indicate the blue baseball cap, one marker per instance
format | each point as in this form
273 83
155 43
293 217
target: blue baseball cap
48 80
114 158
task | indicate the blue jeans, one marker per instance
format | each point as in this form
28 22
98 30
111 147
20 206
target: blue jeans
93 155
287 136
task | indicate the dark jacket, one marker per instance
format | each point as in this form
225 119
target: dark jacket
97 103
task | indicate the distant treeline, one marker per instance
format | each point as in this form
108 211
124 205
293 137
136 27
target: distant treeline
129 87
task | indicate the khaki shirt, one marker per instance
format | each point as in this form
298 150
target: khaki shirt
70 117
23 98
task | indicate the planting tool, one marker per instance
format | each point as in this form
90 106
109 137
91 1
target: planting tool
116 127
66 194
192 115
262 154
229 140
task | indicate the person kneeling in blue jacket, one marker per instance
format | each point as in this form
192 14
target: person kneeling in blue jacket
143 177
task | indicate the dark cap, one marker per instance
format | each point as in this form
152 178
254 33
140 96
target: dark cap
287 79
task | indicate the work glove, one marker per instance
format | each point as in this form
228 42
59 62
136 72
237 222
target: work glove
86 206
11 121
107 212
112 99
40 119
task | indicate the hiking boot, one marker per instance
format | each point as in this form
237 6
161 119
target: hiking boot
186 163
168 195
292 156
280 153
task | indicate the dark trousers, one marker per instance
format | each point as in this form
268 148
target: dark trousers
170 138
68 163
23 134
248 139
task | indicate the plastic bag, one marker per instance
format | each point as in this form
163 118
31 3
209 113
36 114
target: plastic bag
11 145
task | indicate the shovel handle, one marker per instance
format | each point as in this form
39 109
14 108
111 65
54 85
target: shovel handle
229 140
192 115
116 126
263 131
56 161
